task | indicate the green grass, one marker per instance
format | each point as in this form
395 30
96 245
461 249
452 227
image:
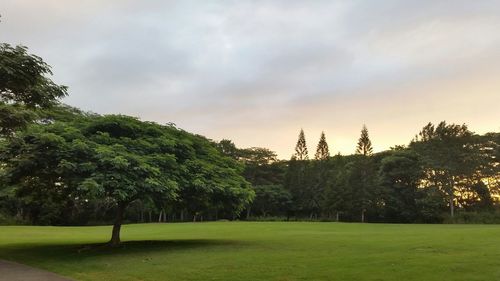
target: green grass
261 251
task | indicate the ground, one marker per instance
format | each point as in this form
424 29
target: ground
11 271
261 251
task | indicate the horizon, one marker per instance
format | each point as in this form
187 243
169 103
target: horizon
258 72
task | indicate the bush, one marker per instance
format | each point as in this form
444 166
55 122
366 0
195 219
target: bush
267 218
9 220
474 217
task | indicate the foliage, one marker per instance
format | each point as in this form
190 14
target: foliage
364 146
117 159
492 217
301 147
271 199
322 152
404 184
453 161
399 175
24 87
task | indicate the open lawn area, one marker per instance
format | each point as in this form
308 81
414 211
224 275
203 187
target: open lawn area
261 251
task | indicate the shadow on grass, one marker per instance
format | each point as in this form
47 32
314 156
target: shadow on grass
74 252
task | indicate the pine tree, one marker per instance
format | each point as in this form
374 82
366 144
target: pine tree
322 152
301 147
364 144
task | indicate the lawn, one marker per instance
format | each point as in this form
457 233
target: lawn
261 251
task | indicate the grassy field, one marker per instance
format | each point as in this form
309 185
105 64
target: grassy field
261 251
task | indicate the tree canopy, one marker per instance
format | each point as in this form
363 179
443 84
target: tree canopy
119 159
24 87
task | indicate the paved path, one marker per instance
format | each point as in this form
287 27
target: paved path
11 271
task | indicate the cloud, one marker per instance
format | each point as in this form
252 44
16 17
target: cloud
258 71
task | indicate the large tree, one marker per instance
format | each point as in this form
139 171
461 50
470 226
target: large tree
120 159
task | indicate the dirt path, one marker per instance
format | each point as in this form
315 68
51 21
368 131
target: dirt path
11 271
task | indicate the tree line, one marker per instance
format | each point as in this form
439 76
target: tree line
446 168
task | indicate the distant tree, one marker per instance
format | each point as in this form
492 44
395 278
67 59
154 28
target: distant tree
364 144
259 165
297 182
361 178
399 175
257 156
318 174
24 87
338 195
448 157
322 152
480 199
271 199
262 169
299 179
301 147
228 148
489 148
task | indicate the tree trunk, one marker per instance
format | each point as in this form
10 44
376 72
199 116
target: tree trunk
182 215
363 215
160 216
337 217
452 208
115 236
19 214
150 219
248 212
452 196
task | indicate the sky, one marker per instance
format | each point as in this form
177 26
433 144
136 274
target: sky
256 72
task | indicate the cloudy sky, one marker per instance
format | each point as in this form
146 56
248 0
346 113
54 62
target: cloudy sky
258 71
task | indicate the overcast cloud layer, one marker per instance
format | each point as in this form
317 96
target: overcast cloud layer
258 71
